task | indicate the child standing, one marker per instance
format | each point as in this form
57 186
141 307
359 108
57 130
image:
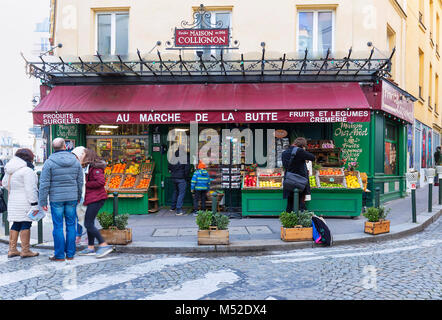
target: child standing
199 186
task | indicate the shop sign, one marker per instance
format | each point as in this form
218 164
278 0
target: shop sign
280 134
396 104
312 116
201 37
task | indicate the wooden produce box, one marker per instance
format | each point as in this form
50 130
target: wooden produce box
213 236
382 226
108 189
128 176
115 236
296 234
357 175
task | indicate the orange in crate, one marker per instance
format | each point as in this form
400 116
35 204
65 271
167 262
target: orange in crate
115 182
144 183
119 168
129 182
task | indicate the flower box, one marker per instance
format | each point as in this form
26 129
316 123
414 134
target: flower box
296 234
213 236
381 226
115 236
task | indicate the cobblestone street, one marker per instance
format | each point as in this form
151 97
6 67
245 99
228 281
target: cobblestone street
408 268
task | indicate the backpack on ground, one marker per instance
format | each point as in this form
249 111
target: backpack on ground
321 232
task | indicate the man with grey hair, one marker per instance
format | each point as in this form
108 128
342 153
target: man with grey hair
62 180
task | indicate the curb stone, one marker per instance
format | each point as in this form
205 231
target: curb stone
255 246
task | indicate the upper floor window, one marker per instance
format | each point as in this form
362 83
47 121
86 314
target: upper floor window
315 31
113 33
226 18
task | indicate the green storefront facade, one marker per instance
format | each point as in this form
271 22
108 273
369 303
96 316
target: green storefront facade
363 142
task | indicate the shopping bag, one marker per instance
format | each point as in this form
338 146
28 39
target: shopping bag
36 215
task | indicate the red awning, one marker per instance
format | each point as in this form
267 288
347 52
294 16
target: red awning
212 103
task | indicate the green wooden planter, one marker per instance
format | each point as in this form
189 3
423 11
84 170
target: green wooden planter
335 202
263 202
128 205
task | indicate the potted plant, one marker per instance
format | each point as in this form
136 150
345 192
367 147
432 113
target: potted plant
296 226
212 228
115 234
376 223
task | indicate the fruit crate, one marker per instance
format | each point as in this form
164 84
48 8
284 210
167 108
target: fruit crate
128 176
335 179
139 179
357 175
315 178
147 167
113 175
325 172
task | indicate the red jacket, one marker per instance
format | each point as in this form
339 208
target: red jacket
95 183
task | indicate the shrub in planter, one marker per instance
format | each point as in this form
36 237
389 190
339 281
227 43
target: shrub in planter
118 234
212 228
296 226
376 223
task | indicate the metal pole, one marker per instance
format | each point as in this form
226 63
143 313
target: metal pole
413 204
377 197
440 190
214 203
430 197
5 214
40 222
115 211
296 201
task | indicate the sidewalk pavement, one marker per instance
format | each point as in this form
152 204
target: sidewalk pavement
163 232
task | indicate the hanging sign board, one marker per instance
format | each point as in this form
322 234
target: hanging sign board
201 37
313 116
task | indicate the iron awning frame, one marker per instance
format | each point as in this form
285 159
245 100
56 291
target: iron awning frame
209 70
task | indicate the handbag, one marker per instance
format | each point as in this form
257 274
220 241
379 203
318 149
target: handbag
3 206
292 180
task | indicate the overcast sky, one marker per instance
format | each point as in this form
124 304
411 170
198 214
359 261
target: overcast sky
17 24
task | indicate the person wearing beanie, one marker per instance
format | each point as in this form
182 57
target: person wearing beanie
199 186
79 153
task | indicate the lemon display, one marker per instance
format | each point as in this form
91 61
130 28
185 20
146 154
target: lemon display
270 184
352 182
133 169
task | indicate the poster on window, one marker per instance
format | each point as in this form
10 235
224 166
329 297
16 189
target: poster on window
390 158
410 146
429 157
424 149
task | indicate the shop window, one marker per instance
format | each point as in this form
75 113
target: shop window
421 74
315 31
391 39
116 143
113 33
391 147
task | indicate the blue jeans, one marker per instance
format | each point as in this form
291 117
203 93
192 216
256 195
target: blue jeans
179 191
68 211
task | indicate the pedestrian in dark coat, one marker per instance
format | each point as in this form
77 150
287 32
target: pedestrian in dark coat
94 199
179 173
297 166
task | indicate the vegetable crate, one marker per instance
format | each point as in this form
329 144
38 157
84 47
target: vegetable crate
115 236
213 236
296 234
382 226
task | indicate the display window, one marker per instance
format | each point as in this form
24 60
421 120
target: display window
391 159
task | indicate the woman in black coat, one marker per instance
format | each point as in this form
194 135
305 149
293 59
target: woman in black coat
297 166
